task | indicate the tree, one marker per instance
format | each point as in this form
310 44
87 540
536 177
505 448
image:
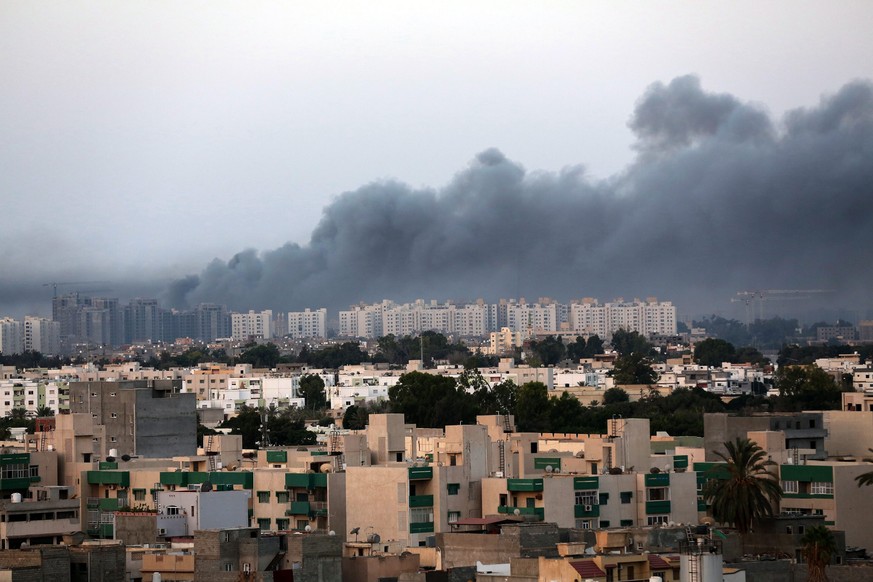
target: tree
750 489
262 356
431 401
532 407
550 351
628 342
44 411
247 423
614 396
807 388
288 428
634 368
712 352
865 478
355 418
819 548
312 390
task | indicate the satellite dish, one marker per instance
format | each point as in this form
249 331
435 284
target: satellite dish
125 457
206 487
355 530
373 538
549 468
308 528
516 512
110 459
331 533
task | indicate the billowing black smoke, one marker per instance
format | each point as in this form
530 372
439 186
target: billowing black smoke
720 198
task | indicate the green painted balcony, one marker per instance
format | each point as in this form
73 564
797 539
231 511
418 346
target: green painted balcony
305 480
657 479
421 501
17 483
109 504
538 512
540 463
178 478
277 456
298 508
423 527
119 478
524 484
586 483
420 473
586 511
657 507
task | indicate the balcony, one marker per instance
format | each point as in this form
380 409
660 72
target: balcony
305 480
586 483
524 484
657 479
422 527
298 508
420 473
119 478
586 511
537 512
421 501
657 507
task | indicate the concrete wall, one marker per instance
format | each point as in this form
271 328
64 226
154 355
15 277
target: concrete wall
719 428
314 557
372 568
165 427
849 433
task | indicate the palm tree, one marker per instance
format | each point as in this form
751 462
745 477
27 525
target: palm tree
819 547
44 411
865 478
750 490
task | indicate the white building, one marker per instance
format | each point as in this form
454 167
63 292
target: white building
42 335
307 323
251 325
11 336
645 317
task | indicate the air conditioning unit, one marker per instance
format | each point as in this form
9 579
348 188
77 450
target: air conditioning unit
589 508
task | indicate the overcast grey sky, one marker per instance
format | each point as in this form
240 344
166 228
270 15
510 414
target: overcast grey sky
139 140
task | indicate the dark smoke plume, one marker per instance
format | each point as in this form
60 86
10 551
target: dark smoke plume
720 198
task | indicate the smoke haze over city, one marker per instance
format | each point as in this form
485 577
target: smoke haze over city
280 157
720 198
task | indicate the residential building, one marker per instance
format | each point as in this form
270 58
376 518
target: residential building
252 325
42 335
11 336
307 323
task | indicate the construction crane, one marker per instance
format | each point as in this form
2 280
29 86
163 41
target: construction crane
762 295
55 285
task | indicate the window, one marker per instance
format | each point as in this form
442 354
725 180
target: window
228 567
604 523
454 516
263 496
603 498
790 487
282 497
584 524
627 523
263 523
453 488
282 524
586 498
657 494
658 519
421 515
302 523
139 494
14 471
821 488
113 415
626 496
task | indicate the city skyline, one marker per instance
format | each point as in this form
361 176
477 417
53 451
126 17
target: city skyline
721 152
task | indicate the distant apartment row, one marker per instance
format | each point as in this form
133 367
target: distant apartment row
101 321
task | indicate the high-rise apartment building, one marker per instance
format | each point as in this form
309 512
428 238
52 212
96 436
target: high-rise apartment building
42 335
251 325
307 323
11 336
